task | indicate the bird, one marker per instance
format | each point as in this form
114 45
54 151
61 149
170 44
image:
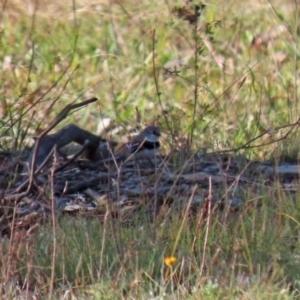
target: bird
143 146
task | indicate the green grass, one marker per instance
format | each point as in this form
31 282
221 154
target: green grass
252 253
107 51
115 51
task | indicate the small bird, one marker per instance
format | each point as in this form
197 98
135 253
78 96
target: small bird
143 146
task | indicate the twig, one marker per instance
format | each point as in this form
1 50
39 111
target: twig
158 93
22 186
183 223
62 115
54 251
85 145
205 211
196 78
207 227
247 145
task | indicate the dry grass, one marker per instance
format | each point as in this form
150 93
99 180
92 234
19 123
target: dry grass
241 83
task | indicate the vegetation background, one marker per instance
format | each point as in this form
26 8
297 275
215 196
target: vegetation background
227 80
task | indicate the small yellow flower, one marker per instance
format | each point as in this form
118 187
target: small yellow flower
170 260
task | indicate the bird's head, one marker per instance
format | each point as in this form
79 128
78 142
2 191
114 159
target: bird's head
151 134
